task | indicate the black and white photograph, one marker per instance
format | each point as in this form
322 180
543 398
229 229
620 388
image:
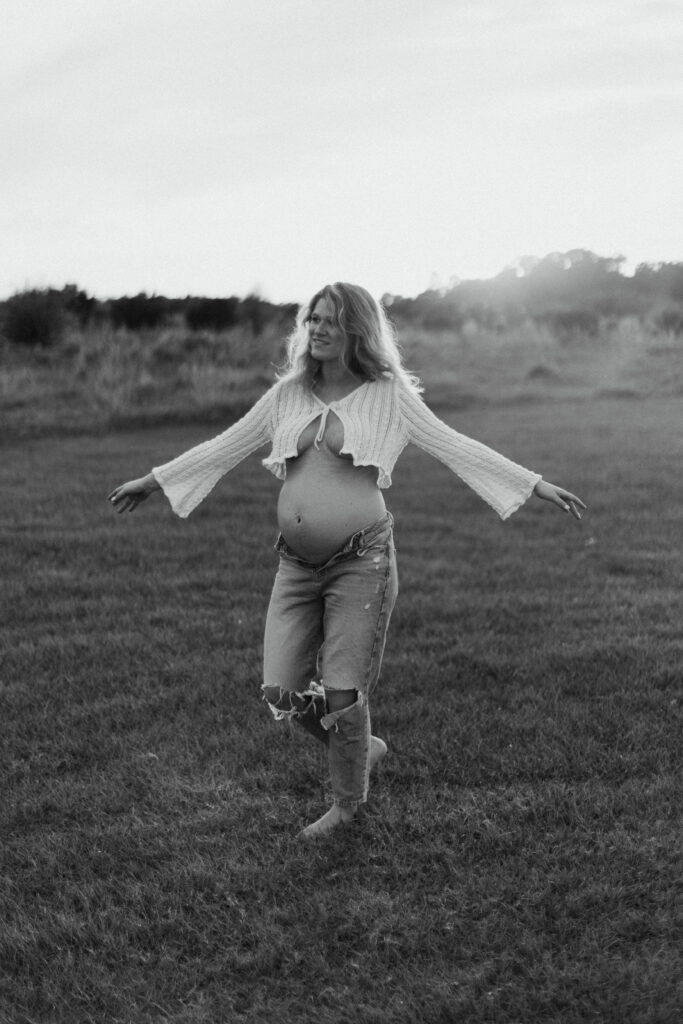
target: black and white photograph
341 424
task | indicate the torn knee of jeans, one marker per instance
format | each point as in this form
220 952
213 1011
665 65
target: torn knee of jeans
290 704
331 720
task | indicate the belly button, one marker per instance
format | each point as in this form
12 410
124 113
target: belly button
297 517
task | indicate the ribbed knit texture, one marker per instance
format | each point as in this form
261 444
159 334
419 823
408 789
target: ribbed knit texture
379 418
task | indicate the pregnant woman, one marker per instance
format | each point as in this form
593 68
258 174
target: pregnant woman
337 420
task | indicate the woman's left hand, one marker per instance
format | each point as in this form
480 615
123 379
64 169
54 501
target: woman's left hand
565 500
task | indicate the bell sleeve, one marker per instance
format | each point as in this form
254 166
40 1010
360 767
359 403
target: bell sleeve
187 479
503 484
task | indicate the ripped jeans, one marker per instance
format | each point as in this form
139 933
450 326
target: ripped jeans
325 630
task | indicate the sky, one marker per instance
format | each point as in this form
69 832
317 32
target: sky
225 147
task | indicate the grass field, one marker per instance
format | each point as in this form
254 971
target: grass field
519 859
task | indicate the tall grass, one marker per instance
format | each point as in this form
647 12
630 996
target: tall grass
519 859
101 378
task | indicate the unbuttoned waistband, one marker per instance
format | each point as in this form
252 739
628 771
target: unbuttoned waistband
356 544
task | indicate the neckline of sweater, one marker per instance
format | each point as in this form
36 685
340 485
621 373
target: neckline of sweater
339 401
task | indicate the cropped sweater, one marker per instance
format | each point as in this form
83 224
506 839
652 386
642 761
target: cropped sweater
379 418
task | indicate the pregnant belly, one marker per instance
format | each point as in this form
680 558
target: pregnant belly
324 501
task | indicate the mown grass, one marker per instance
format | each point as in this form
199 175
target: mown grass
519 859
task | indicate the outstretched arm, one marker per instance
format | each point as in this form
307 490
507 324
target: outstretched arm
128 496
565 500
502 483
187 479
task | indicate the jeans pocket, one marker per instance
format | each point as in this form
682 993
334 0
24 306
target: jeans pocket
380 544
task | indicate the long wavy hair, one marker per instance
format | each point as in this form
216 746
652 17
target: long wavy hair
371 351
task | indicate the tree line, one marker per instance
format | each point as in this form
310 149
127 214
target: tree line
39 317
574 292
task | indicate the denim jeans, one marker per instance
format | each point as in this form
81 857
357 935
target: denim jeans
325 630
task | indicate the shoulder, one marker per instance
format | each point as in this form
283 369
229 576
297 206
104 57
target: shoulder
396 391
392 402
408 397
289 397
388 387
292 389
282 389
377 394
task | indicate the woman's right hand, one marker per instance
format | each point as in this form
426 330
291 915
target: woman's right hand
127 497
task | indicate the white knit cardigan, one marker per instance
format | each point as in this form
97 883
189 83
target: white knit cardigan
379 418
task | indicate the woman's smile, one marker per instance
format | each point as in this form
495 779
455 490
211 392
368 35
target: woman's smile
326 338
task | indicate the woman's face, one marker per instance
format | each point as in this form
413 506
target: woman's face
325 338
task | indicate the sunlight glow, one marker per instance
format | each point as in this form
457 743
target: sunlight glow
214 148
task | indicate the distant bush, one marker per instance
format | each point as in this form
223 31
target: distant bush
212 314
33 318
670 320
78 304
137 312
569 323
253 313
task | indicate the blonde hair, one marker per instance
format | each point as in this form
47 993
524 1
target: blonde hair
371 349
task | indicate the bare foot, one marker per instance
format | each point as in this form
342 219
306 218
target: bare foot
332 819
378 750
341 815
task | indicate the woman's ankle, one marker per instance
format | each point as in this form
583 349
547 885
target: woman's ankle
338 815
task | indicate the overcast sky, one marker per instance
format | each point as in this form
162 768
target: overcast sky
224 146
